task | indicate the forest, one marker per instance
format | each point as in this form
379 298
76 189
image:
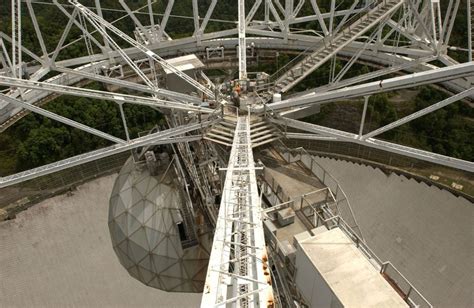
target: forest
36 140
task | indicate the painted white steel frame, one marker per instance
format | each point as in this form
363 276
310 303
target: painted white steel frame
238 274
322 131
97 94
242 42
428 36
429 77
171 135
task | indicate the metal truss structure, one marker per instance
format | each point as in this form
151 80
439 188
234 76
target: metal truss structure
410 38
239 239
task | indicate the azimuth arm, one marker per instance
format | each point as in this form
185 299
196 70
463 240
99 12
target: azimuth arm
391 84
116 97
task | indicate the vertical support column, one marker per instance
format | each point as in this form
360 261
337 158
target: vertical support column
452 20
242 42
267 12
469 29
122 114
331 18
107 49
433 22
362 120
196 17
152 18
4 57
164 19
440 23
289 5
16 38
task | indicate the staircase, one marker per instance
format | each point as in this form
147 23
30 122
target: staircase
261 131
303 65
223 132
186 209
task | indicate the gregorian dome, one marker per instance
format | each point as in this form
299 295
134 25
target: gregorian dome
153 233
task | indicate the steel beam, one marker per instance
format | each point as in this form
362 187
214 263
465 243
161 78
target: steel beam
96 94
132 85
94 18
407 81
420 113
469 30
237 275
59 118
172 135
242 42
364 111
378 144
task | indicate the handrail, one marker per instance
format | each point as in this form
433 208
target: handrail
411 288
358 17
409 292
285 68
384 266
325 180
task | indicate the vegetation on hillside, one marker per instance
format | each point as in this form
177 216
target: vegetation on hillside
448 131
37 140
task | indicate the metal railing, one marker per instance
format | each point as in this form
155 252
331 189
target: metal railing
342 205
324 215
411 295
276 188
410 167
397 280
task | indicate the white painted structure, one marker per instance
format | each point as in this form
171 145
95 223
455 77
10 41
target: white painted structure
332 272
238 271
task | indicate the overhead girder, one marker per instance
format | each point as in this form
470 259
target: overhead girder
172 135
374 143
96 94
289 19
420 113
59 118
368 56
300 67
391 84
98 22
283 40
132 85
171 48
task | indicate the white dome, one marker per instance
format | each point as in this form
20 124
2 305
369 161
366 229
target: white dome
144 215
